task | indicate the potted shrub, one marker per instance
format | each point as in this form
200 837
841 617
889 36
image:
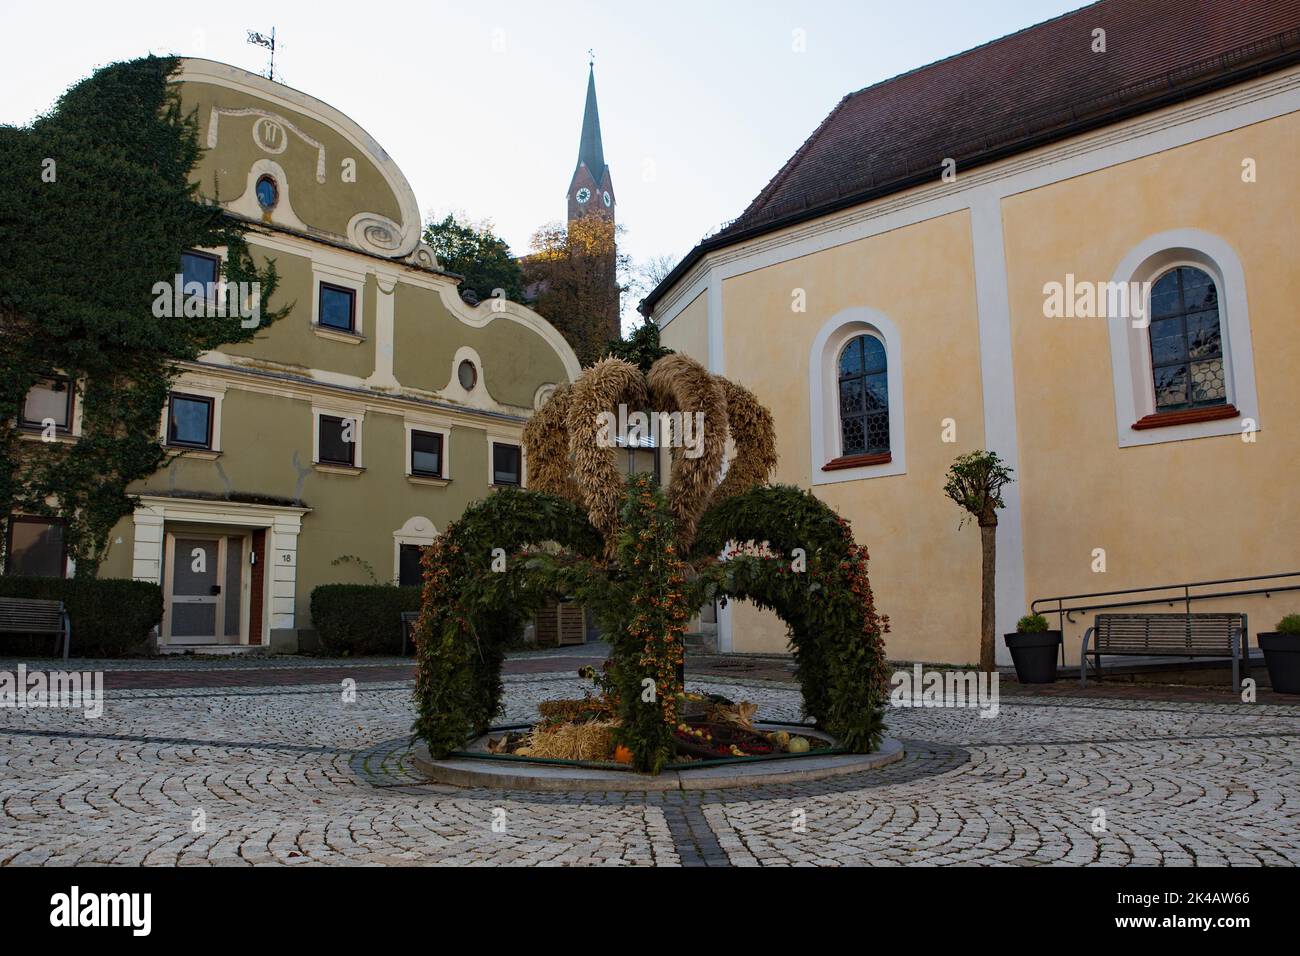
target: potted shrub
1033 649
1282 654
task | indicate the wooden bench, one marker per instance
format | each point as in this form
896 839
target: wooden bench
1168 635
408 625
34 616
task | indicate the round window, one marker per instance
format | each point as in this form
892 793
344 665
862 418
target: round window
268 194
467 374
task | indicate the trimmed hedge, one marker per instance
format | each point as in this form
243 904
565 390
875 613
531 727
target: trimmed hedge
110 617
357 619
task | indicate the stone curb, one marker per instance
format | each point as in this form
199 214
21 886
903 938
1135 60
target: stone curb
512 775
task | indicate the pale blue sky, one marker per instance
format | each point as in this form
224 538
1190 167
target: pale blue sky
480 103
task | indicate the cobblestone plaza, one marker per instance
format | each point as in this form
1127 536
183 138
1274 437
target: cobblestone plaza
249 772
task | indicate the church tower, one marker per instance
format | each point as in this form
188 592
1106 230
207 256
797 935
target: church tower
576 286
591 191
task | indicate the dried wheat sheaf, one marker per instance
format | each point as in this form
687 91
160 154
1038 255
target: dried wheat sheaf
602 388
678 383
567 458
546 445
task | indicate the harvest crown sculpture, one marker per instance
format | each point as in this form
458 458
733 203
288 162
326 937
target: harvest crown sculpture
644 562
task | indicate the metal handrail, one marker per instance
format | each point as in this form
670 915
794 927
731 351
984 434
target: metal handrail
1066 613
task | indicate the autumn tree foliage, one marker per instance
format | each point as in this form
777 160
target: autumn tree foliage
572 277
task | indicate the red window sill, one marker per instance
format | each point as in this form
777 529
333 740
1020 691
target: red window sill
1192 415
858 461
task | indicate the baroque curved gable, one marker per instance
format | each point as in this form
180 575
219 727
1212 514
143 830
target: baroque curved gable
333 180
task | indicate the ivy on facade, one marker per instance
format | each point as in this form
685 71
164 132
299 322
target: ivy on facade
97 205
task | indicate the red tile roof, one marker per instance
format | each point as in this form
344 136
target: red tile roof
1041 84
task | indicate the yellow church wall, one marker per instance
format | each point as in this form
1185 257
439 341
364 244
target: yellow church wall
1203 508
688 333
925 572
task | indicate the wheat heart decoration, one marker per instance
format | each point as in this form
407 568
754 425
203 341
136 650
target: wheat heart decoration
569 453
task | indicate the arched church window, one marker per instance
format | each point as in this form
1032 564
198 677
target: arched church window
1187 361
864 397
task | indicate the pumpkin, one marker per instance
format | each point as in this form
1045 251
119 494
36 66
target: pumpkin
798 745
622 754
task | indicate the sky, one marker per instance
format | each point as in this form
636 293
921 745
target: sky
480 103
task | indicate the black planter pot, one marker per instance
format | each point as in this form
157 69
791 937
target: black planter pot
1034 655
1282 657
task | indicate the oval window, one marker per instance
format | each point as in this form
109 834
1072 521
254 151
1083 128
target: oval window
268 194
468 375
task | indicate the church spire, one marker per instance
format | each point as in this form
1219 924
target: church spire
591 191
590 150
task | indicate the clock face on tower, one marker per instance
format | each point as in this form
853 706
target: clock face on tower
583 195
608 198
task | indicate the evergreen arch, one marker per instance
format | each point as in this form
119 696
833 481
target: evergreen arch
644 562
792 554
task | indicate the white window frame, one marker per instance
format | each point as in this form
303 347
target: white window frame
824 394
214 392
478 396
1130 346
414 425
417 530
332 274
516 441
358 433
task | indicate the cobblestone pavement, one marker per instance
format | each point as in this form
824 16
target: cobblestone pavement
295 775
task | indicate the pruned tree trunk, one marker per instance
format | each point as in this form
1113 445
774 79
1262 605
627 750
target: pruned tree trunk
988 607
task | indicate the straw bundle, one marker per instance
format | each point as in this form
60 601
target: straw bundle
595 469
753 437
546 445
591 741
679 383
566 459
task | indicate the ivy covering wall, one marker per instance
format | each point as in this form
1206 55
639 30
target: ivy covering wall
96 207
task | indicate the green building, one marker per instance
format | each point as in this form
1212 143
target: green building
344 436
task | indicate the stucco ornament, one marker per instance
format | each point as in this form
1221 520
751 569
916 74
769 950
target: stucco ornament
375 233
424 256
270 133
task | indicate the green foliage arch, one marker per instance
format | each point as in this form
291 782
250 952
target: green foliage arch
543 545
791 554
644 567
470 612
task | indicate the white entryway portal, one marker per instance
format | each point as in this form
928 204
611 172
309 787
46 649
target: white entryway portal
205 592
228 569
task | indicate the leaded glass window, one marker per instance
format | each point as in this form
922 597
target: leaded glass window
864 397
1186 341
